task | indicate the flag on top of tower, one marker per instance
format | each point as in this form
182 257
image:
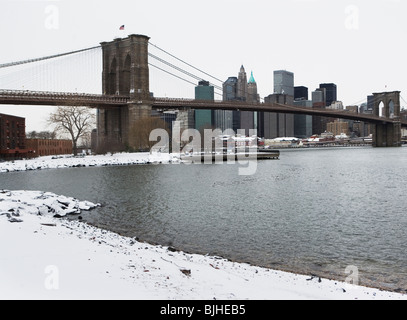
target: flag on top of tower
121 28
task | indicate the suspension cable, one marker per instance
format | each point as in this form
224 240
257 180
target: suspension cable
185 62
11 64
174 75
181 70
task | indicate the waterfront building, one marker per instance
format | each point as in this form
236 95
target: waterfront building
337 127
49 147
12 137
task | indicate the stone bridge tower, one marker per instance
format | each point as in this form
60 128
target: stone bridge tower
387 105
125 73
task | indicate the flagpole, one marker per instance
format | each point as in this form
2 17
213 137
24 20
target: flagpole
121 32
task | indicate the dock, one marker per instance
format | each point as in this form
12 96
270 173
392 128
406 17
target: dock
205 158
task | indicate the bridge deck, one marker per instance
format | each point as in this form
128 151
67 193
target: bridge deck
18 97
166 103
44 98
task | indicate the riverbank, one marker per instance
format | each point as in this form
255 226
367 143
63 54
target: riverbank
60 162
43 257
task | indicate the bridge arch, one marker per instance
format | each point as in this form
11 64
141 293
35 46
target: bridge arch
387 104
381 109
391 109
124 81
111 87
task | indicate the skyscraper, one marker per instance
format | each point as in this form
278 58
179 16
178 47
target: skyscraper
271 124
252 95
203 118
300 93
278 124
223 119
331 92
302 122
239 89
241 92
319 102
248 119
284 82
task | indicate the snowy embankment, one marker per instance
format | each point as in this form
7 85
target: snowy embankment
57 162
43 257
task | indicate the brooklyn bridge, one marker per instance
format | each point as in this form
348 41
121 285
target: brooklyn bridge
126 98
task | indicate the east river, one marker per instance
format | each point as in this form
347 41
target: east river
314 211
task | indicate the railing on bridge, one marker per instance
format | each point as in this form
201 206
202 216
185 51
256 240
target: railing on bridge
59 98
27 97
174 103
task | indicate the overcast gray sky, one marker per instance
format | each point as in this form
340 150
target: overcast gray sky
357 44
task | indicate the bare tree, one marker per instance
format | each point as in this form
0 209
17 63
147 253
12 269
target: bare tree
73 120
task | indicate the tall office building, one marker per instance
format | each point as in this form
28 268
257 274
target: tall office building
277 124
223 119
284 82
241 90
319 102
370 103
273 125
300 93
248 119
252 95
330 93
204 118
302 122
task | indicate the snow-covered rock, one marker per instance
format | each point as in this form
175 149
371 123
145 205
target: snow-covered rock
14 204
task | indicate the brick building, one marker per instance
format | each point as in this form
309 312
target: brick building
338 127
12 137
49 147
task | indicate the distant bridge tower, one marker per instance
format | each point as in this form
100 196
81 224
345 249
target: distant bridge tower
125 72
387 105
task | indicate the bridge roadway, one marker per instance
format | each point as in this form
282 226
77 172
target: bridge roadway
19 97
168 104
44 98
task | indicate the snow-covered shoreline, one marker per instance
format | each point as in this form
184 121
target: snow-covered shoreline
43 257
60 162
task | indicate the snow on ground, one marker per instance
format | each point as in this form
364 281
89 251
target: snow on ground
57 162
43 257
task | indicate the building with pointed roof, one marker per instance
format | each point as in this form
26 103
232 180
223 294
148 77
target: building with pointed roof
241 93
252 95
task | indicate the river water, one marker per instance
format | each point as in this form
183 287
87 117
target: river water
314 211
